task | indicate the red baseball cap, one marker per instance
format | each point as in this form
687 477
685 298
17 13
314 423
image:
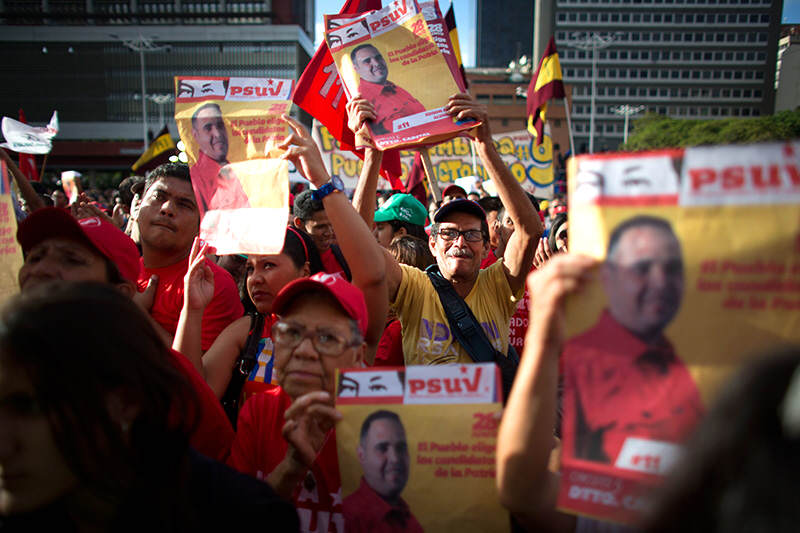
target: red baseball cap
348 295
96 232
454 188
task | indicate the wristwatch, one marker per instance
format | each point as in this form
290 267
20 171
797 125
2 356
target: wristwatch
334 184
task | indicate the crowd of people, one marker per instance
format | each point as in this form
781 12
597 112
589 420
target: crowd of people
146 382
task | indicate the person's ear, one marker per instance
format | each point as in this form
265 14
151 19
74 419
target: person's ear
485 250
399 233
362 454
306 270
360 354
298 223
432 244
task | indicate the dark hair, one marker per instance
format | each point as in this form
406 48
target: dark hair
415 230
126 187
558 221
305 206
360 47
490 203
178 171
378 415
300 248
202 107
739 472
110 349
413 251
637 222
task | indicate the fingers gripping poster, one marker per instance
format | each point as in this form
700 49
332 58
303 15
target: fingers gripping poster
700 252
390 57
416 448
231 128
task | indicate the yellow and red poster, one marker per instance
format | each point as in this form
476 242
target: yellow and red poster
700 270
10 252
231 128
390 57
420 440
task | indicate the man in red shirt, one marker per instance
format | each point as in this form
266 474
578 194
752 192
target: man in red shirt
168 223
376 506
390 101
310 217
214 182
623 378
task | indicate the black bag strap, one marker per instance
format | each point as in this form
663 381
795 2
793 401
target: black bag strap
337 253
463 324
244 365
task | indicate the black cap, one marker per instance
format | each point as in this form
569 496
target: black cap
462 205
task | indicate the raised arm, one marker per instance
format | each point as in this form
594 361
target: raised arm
28 194
359 111
525 440
359 247
518 257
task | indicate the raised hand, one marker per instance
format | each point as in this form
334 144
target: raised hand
304 153
308 421
462 106
542 253
198 283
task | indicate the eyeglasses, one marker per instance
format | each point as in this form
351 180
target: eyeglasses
451 234
325 342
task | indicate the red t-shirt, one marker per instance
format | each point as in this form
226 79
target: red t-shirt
616 387
366 512
490 260
390 347
331 264
259 447
224 308
213 434
216 186
390 101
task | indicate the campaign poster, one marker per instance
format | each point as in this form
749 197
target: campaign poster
531 165
231 128
10 252
418 442
700 270
390 57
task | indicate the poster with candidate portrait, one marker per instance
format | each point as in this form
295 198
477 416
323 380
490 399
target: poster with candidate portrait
231 128
416 448
700 270
390 57
10 251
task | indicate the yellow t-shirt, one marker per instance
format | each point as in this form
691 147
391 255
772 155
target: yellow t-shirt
426 332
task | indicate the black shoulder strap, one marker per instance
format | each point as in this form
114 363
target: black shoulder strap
244 365
463 324
337 253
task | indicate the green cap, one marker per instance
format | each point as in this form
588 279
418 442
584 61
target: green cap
403 207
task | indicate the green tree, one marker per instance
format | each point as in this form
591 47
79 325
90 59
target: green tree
652 131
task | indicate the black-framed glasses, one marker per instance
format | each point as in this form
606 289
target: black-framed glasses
451 234
325 341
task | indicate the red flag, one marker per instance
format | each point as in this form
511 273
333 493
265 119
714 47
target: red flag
545 84
27 162
415 183
320 93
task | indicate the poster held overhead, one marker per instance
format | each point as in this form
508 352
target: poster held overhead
390 57
231 128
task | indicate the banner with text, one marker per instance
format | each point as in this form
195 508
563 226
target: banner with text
10 251
689 286
423 437
390 57
231 128
531 165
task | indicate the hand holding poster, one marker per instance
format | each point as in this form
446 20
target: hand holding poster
231 128
395 42
689 287
416 448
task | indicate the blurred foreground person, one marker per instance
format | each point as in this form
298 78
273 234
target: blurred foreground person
88 436
740 469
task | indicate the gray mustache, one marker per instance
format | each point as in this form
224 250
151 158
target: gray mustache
459 252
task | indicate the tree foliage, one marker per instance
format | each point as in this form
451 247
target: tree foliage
653 131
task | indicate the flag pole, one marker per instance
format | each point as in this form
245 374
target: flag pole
429 174
569 128
44 164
